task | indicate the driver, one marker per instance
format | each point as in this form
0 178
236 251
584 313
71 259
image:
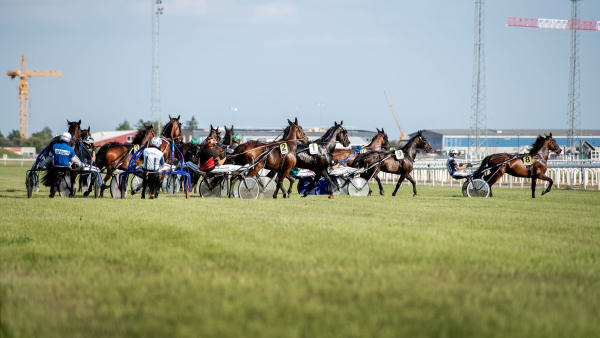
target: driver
88 142
209 157
456 170
61 156
153 156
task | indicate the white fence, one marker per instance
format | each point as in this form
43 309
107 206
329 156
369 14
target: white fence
565 174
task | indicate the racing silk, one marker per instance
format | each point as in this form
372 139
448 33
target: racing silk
451 165
63 155
153 159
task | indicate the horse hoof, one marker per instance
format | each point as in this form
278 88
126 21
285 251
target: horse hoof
394 195
330 197
414 195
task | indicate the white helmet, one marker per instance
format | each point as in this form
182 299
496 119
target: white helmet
156 141
66 136
452 151
88 140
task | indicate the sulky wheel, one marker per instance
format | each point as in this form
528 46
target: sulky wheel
216 182
478 188
340 187
267 186
115 186
464 188
171 184
358 187
64 186
31 181
96 185
248 188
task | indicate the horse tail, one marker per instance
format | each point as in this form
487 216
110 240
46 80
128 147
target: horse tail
101 156
49 177
484 165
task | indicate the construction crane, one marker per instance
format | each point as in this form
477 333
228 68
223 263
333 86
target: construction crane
23 74
573 25
402 134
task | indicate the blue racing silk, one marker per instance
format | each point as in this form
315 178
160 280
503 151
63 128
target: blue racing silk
63 154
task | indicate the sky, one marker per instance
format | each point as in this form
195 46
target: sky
258 63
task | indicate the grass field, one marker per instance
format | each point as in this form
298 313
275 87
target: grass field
435 265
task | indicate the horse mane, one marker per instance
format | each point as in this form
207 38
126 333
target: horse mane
537 145
405 147
139 136
326 136
168 125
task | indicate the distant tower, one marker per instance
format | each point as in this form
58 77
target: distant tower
573 111
157 11
477 130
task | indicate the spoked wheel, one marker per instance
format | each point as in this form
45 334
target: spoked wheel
31 182
219 187
137 184
267 186
248 188
96 184
171 184
85 181
464 188
340 186
64 185
478 188
358 186
116 190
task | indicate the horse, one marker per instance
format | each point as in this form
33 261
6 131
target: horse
538 156
116 155
346 156
253 151
86 156
390 164
321 161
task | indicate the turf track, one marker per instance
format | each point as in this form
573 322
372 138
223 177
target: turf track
435 265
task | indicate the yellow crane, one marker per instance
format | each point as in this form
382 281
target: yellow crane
23 74
402 134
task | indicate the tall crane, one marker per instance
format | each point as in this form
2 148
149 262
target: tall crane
23 75
402 134
573 25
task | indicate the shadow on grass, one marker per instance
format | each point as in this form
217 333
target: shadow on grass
4 331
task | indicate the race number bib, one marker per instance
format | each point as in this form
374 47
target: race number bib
363 150
313 149
526 160
283 148
399 154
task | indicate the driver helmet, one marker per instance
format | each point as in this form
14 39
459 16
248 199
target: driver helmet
237 137
66 137
195 141
156 142
88 140
452 151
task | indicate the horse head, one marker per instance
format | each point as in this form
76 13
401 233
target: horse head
228 138
172 129
74 129
551 143
86 132
342 135
423 143
380 140
294 127
214 134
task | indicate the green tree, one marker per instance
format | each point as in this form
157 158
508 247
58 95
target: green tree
45 133
14 135
1 135
124 126
191 123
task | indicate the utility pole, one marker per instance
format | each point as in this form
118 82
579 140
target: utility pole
478 130
157 11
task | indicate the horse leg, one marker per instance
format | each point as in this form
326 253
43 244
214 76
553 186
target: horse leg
381 192
105 185
329 182
398 184
533 182
414 184
144 185
550 182
291 180
491 180
280 187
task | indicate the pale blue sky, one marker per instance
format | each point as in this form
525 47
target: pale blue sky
278 59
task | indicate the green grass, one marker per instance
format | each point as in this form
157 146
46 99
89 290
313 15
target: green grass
435 265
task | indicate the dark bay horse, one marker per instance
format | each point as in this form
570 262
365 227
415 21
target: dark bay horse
347 156
393 165
274 160
321 161
116 155
537 156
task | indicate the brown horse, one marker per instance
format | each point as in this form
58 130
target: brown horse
116 155
537 156
253 151
390 164
347 156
